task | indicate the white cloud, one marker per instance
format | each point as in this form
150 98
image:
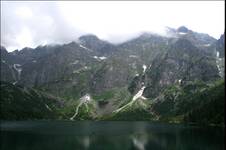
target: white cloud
116 21
24 38
24 12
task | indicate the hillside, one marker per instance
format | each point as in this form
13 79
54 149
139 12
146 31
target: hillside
151 77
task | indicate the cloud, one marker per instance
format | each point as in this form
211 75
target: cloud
29 24
39 22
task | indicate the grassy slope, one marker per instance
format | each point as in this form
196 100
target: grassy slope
195 102
18 103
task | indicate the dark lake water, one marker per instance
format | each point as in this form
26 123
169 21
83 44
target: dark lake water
66 135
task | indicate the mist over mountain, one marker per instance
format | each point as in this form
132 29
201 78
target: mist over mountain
30 24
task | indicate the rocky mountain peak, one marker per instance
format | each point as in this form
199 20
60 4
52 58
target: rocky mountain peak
89 38
182 29
3 50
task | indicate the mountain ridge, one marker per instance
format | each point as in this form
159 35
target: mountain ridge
138 35
113 74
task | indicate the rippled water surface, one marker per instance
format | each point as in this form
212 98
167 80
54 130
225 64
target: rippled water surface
85 135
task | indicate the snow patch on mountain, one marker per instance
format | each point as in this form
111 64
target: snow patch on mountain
206 45
218 54
47 106
83 101
144 68
182 33
75 62
135 97
133 56
80 45
18 68
139 94
219 61
100 58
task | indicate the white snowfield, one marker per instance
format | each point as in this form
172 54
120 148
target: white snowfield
135 97
139 94
144 68
75 62
100 58
18 68
47 106
133 56
83 100
218 61
179 81
81 69
14 83
218 54
84 47
182 33
142 97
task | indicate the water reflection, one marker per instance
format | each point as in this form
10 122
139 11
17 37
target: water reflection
86 142
108 136
140 141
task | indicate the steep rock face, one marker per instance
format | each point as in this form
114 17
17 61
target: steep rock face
100 47
182 63
202 41
115 72
8 73
55 66
220 55
45 65
143 49
220 46
128 61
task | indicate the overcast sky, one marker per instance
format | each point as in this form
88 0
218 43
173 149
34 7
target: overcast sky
29 24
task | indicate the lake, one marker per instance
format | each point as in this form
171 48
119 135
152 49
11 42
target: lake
118 135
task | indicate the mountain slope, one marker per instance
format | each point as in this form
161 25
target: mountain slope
19 103
139 79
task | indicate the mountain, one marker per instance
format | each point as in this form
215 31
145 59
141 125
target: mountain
100 47
19 102
196 102
182 63
97 80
